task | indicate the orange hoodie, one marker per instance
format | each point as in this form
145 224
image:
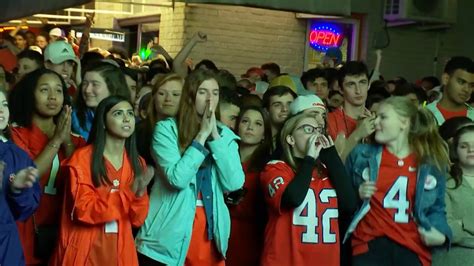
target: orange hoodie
96 223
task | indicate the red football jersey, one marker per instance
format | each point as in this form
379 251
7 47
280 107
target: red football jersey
391 207
248 223
339 122
450 114
306 235
33 141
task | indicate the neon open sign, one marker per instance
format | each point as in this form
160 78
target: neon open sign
324 37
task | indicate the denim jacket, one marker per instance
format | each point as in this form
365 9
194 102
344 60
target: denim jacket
166 233
429 208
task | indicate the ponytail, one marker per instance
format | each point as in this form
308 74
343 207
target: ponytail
426 142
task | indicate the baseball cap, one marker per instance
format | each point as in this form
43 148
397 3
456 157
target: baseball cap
290 81
304 102
56 32
58 52
36 48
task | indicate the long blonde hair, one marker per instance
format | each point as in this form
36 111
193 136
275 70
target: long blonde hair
288 128
423 136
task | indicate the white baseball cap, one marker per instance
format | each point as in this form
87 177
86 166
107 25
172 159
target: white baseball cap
56 32
304 102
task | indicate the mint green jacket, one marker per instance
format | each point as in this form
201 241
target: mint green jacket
166 234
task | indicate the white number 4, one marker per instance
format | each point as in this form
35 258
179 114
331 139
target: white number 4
396 198
306 215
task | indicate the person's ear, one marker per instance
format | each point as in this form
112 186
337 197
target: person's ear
445 79
405 123
290 140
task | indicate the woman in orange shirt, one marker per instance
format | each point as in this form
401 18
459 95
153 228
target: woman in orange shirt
41 117
106 192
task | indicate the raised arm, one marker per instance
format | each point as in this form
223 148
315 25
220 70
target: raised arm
179 67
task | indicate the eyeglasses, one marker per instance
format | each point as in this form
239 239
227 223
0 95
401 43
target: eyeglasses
309 129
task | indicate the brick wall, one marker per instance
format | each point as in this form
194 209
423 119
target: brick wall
241 37
172 28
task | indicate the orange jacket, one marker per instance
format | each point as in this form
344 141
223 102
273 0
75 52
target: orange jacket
87 209
34 141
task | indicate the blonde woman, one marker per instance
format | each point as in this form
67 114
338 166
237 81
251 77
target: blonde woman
304 194
401 184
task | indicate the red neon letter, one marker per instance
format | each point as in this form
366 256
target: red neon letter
313 36
335 38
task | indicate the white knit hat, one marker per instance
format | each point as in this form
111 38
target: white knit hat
304 102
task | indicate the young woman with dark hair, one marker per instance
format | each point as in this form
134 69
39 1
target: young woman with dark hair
401 182
106 192
459 198
100 81
246 206
306 194
41 117
188 222
19 190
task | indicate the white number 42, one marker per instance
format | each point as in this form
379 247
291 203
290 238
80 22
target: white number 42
306 215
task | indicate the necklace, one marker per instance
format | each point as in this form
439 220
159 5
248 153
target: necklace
400 163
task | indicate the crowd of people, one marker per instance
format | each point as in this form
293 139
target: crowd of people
109 160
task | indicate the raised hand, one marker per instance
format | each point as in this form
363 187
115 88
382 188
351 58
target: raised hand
313 147
24 178
366 126
367 190
141 182
326 141
208 124
62 133
90 19
431 237
200 36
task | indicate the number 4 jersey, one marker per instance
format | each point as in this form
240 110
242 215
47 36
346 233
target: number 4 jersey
391 207
306 235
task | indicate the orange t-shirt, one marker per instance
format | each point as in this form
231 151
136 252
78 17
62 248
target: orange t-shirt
339 122
450 114
202 251
34 141
248 223
96 222
391 207
305 235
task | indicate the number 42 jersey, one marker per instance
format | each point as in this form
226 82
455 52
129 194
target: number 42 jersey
307 234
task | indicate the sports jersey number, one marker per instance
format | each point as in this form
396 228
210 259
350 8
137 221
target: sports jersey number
49 188
396 198
275 185
306 215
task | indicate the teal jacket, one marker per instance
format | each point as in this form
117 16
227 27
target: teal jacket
166 234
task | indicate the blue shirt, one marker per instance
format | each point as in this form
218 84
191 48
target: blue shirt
14 206
76 127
